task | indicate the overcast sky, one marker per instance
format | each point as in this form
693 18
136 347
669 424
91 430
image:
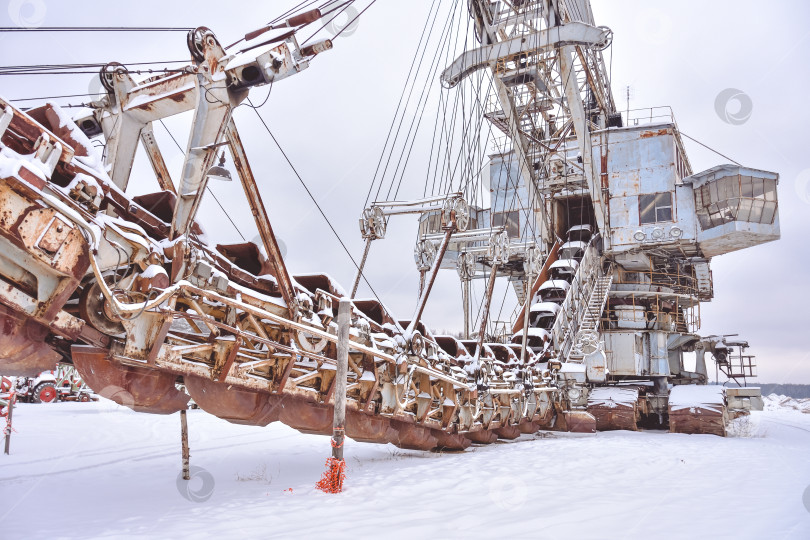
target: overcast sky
333 118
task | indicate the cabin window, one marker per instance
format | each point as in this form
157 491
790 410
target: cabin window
509 220
430 223
736 198
655 208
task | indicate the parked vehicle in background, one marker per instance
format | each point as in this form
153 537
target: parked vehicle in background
61 384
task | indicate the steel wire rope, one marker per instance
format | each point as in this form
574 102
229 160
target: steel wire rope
56 72
445 184
396 112
50 97
312 197
423 100
436 175
295 9
208 188
343 7
448 128
87 65
710 148
348 24
452 168
274 21
510 180
94 29
448 135
477 147
404 112
442 107
528 211
432 145
471 142
421 103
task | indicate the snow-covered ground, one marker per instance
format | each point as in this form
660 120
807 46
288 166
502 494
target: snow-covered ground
95 470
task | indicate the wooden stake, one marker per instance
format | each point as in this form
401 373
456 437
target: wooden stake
11 400
184 437
344 320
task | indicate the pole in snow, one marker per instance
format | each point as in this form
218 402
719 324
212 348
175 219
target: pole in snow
184 438
12 397
332 479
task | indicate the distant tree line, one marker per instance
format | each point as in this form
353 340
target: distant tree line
798 391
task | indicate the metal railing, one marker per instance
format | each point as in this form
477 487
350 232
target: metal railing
648 115
650 314
660 115
575 304
677 282
741 365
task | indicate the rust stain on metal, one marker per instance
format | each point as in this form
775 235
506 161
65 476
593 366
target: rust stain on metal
657 133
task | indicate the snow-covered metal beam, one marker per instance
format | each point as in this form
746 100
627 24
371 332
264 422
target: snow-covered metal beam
572 33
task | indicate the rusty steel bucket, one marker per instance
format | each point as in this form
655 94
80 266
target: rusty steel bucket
140 389
451 441
236 405
508 432
25 354
483 436
577 422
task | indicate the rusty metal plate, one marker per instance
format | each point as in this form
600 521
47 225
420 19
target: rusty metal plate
234 404
367 428
577 422
618 416
49 238
54 236
451 441
508 432
24 353
528 427
140 389
698 420
307 416
413 437
483 436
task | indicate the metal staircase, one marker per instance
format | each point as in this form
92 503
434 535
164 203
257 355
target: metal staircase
573 309
520 289
588 333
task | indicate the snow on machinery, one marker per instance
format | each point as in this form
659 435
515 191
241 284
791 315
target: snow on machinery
128 290
616 194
